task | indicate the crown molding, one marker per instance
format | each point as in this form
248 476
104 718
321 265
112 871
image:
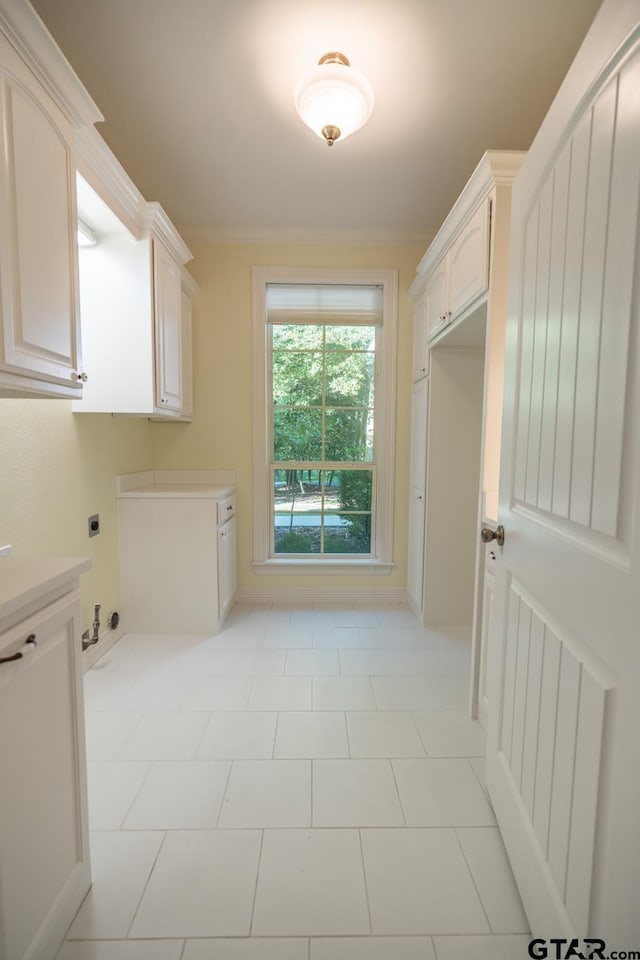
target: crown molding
155 219
309 235
103 171
189 285
28 35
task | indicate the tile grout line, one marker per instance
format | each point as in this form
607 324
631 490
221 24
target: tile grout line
121 828
245 709
415 727
395 780
346 726
366 885
422 740
146 884
275 734
473 879
205 727
373 692
311 761
224 794
255 889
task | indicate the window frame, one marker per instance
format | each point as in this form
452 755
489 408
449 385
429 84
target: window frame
382 562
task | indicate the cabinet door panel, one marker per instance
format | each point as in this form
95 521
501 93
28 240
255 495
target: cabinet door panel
168 307
469 262
420 352
226 567
437 296
187 356
38 253
44 869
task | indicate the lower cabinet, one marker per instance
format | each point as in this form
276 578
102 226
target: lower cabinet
177 560
44 859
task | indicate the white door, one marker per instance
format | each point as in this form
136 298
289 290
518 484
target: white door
563 764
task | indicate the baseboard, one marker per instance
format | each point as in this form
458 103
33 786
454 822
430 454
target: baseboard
107 639
50 936
327 596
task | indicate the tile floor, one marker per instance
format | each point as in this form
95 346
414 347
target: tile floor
304 786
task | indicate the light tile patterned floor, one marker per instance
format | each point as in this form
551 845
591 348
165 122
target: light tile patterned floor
304 786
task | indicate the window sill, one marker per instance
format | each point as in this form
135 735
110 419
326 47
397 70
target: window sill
321 567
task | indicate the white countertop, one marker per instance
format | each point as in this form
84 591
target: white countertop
200 491
24 579
195 484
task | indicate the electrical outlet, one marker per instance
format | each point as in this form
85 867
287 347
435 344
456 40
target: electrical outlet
94 525
5 551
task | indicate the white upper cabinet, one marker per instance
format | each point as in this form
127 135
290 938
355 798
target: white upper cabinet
135 318
41 103
461 276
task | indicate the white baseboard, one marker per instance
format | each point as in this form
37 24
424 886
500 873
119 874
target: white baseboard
366 595
107 639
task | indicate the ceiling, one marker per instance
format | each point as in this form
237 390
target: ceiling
198 103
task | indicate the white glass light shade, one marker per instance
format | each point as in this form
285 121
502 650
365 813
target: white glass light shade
334 95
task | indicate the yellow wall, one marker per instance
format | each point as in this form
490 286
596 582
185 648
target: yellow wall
56 469
220 435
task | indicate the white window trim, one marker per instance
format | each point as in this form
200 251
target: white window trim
382 563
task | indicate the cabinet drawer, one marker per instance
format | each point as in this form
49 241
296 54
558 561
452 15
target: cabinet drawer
226 509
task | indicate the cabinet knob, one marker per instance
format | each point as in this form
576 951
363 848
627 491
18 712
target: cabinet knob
79 376
163 400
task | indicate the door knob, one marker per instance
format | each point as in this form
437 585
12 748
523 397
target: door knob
487 535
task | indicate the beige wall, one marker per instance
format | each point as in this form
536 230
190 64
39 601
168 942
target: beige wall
56 469
220 436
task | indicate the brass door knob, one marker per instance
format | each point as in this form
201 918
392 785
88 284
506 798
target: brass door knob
487 535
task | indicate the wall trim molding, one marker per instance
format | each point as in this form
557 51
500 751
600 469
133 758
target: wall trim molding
108 639
322 595
287 235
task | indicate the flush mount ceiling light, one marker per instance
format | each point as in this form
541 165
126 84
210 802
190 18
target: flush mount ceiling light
334 99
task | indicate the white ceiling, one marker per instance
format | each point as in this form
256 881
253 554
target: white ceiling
198 103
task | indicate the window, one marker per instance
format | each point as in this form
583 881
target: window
324 362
